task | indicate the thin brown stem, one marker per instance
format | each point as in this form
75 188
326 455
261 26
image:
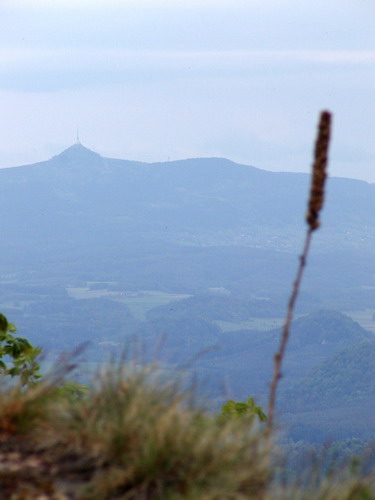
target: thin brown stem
315 204
279 356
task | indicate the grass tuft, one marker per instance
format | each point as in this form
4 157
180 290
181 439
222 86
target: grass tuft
136 437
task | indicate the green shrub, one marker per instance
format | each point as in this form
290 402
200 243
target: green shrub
17 355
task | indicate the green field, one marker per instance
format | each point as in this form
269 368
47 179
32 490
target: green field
149 299
139 302
253 324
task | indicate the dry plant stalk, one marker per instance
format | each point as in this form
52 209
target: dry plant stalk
315 204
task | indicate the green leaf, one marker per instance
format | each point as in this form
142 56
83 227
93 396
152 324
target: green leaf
21 352
12 328
243 409
3 323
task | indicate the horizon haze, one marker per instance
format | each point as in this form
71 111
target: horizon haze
156 80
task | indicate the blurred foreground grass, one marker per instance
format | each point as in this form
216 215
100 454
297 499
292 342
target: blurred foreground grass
135 436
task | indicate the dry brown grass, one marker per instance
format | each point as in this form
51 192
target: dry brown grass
132 437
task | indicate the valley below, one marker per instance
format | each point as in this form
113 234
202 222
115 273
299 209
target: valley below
194 260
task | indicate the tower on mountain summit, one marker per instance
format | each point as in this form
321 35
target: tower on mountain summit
78 141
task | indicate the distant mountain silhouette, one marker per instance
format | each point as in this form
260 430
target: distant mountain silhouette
210 200
187 224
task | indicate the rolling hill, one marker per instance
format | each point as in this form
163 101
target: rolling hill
182 225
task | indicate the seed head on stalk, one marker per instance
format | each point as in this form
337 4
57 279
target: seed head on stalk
315 204
319 171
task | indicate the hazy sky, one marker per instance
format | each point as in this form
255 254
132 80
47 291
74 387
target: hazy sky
156 79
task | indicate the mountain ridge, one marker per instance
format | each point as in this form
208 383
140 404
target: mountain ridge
77 151
220 224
